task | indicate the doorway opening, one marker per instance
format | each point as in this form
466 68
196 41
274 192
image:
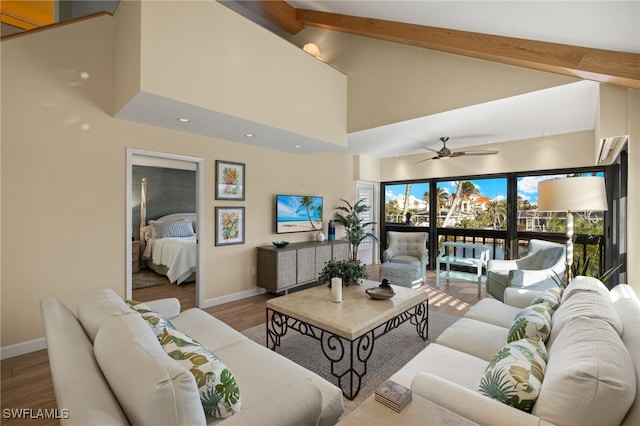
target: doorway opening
176 196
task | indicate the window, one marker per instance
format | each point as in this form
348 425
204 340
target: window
588 227
530 219
407 203
473 204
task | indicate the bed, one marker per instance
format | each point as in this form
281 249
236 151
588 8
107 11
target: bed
171 246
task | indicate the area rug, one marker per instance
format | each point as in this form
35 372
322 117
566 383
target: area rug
391 352
144 280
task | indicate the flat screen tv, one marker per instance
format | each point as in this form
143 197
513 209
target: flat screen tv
298 213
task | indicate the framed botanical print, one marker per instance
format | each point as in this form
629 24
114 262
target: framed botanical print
229 180
229 225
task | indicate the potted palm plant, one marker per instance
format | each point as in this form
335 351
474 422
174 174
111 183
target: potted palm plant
351 270
357 230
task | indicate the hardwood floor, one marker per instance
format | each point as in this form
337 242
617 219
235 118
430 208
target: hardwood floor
26 380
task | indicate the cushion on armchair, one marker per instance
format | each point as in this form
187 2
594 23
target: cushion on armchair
407 247
535 271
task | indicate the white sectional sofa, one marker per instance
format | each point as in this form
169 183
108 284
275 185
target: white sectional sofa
592 374
109 368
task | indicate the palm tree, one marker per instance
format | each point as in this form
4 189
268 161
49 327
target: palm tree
307 203
463 189
441 197
407 194
498 212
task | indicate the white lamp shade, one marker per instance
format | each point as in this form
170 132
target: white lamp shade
577 194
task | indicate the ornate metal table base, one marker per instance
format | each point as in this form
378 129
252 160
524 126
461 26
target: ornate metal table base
348 357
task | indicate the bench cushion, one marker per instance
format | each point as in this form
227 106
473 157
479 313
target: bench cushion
474 337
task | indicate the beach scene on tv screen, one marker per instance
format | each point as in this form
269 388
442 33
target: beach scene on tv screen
296 213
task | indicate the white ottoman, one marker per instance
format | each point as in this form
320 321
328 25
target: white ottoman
404 274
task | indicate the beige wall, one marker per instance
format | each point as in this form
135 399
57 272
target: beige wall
204 54
63 178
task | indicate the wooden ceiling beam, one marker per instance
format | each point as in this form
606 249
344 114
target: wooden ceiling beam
279 12
618 68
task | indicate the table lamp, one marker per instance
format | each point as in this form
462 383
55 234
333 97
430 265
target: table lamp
572 194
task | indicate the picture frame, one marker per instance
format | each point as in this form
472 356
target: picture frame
230 180
229 225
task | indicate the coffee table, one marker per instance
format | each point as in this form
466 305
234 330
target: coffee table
347 331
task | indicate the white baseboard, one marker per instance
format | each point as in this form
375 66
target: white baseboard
232 297
23 348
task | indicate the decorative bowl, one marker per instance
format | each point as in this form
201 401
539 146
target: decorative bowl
380 293
280 244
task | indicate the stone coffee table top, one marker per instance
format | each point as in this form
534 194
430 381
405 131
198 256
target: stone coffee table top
356 315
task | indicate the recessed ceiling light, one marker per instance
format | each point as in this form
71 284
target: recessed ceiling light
183 120
489 141
249 135
546 133
297 146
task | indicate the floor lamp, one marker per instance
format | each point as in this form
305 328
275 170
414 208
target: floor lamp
577 194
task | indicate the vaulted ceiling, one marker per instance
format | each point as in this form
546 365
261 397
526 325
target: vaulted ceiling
592 40
620 64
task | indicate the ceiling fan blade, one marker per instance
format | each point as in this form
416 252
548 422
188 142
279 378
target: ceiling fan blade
478 152
426 159
429 149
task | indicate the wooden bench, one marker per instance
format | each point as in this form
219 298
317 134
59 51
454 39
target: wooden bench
462 254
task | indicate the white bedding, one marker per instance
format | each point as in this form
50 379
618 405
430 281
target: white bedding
177 254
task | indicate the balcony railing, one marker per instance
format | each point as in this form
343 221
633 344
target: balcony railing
584 246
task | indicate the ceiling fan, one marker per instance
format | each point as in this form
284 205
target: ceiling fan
445 152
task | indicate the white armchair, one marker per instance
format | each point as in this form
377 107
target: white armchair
408 248
535 271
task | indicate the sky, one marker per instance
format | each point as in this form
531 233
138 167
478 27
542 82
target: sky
495 189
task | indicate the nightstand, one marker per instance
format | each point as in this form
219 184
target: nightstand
135 256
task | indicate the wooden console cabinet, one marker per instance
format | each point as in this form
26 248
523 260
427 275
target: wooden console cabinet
280 269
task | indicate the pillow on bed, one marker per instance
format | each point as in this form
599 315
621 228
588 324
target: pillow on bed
178 229
175 217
